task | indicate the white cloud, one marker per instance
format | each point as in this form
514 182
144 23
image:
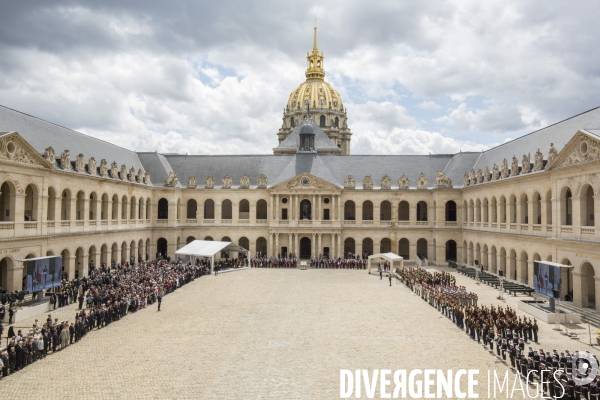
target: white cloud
429 105
494 119
150 79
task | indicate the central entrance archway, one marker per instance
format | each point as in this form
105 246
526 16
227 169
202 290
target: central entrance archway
305 248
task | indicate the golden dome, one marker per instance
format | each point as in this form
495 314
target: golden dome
315 92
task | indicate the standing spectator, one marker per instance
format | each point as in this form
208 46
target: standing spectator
159 301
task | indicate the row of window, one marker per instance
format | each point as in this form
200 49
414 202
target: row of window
517 210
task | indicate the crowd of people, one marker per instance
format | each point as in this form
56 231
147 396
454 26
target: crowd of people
109 294
323 261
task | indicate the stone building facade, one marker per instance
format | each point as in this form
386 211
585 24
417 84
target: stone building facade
65 193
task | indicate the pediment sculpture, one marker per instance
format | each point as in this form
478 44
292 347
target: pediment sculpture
210 182
114 170
123 172
50 156
495 172
92 166
65 160
403 182
172 180
466 180
349 182
386 182
538 162
473 177
442 181
80 163
192 182
262 181
147 178
422 181
514 167
132 174
552 153
479 176
244 182
140 176
504 169
486 174
367 182
103 168
526 163
226 182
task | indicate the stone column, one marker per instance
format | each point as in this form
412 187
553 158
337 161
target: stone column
576 215
412 214
313 208
320 244
312 246
377 213
333 251
14 278
272 208
530 272
580 291
317 207
276 207
277 250
412 250
597 289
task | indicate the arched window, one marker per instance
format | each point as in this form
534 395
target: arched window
65 205
115 207
349 247
192 208
226 212
209 209
305 209
51 204
30 209
367 211
163 209
322 121
367 246
93 206
451 212
104 207
404 248
421 211
244 210
587 206
386 212
567 207
336 122
349 211
403 211
79 206
261 209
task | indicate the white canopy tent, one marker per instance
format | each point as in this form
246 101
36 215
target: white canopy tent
208 249
394 259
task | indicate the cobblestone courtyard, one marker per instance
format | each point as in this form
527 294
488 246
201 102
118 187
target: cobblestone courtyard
263 334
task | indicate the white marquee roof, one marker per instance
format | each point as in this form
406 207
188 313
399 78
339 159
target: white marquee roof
207 248
387 256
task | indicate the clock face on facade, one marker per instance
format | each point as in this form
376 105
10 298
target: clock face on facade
305 181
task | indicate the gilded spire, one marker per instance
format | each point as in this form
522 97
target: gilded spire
315 47
314 60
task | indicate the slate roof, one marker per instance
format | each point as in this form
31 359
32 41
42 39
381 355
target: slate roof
322 141
41 134
278 168
559 134
332 168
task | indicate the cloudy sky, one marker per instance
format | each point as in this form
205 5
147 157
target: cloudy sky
214 77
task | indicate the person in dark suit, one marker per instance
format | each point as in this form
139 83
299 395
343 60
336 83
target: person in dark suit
159 301
71 333
19 356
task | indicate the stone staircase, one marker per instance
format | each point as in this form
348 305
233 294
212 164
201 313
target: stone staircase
587 314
